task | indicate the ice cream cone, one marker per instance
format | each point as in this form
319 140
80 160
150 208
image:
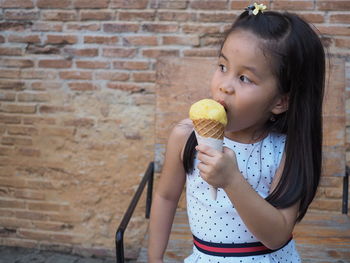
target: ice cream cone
209 120
209 128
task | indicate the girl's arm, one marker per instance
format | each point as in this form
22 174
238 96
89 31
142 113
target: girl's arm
272 226
167 193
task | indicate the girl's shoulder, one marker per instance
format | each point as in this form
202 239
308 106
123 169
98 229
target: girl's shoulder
179 135
182 129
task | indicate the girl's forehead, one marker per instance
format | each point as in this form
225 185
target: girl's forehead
244 47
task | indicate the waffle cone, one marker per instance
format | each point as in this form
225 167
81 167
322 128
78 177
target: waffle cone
209 128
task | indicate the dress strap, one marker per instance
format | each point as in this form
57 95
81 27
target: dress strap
233 250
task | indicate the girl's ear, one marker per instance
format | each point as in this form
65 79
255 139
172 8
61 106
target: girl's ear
281 104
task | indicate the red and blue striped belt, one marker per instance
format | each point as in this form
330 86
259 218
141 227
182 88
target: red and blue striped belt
232 250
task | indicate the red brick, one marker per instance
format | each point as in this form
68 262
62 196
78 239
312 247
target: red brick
45 236
15 26
120 27
342 42
181 40
17 4
85 52
82 86
119 52
211 40
201 52
9 84
61 39
38 49
131 65
53 3
92 64
75 75
90 4
55 63
54 109
47 206
101 40
18 108
216 17
333 5
334 30
59 15
112 75
155 53
313 17
46 86
24 39
7 96
293 5
56 131
12 203
10 119
129 87
200 29
22 130
96 15
84 27
33 97
10 73
160 28
176 16
144 76
17 63
2 39
10 51
144 99
21 15
137 16
169 4
13 182
28 152
129 4
79 122
10 140
38 120
340 18
38 74
209 5
326 204
140 40
47 26
6 151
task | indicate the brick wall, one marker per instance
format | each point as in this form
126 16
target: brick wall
77 106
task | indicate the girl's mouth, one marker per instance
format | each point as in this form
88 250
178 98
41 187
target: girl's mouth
223 104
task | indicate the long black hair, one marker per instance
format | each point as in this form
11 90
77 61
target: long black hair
298 62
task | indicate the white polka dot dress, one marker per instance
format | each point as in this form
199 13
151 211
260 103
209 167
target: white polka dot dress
217 220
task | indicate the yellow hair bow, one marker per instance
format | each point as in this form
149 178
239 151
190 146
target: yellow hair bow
258 7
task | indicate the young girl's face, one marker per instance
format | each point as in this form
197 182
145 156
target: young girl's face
243 82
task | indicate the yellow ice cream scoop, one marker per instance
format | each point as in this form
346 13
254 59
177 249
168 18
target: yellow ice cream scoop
208 109
209 118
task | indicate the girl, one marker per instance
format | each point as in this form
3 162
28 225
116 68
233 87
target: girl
270 79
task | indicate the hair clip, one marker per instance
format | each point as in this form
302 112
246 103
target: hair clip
254 9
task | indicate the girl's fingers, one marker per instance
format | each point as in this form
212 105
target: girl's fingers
203 168
203 157
206 149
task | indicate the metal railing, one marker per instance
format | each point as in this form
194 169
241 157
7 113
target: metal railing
345 202
119 235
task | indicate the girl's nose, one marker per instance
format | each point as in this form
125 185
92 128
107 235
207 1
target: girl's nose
227 89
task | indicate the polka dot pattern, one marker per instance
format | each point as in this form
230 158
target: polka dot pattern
217 220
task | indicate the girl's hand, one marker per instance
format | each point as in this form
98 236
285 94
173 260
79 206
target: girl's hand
218 169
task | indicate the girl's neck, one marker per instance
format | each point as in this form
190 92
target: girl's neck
246 138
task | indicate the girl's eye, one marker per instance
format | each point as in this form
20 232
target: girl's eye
245 79
222 68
